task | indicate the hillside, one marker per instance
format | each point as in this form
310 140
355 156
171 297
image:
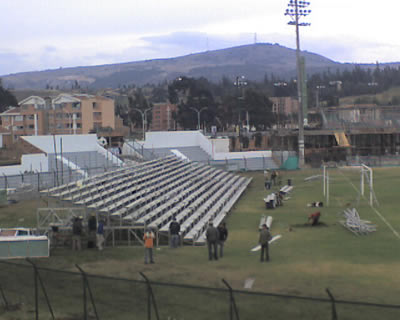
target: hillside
252 61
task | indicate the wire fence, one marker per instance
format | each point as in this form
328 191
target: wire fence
28 291
36 181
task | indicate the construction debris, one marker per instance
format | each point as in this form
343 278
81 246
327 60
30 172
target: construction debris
355 224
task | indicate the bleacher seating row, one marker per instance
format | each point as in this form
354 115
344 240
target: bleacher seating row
151 194
275 199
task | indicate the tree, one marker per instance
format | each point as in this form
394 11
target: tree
259 108
193 96
7 99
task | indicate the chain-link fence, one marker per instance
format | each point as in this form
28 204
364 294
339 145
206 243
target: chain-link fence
31 292
36 181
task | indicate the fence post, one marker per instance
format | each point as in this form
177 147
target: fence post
150 298
232 303
38 181
334 314
37 277
4 297
85 283
5 182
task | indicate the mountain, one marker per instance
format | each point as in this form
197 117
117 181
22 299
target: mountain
252 61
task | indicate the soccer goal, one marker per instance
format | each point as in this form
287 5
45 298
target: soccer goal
367 176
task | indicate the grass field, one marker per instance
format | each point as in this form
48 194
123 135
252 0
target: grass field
304 262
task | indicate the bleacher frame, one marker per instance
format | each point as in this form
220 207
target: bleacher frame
152 193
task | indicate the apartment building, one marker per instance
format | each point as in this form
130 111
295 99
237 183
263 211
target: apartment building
162 119
64 114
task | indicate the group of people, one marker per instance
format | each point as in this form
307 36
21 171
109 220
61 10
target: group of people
149 238
271 178
95 233
216 238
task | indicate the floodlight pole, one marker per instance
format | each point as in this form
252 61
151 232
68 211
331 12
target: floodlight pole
295 12
198 115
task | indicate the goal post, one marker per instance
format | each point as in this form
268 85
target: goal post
366 172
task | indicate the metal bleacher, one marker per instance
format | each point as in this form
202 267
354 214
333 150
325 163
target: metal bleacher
152 193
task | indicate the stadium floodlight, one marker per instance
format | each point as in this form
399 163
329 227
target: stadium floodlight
297 9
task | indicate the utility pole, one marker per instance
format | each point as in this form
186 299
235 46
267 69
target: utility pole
240 83
297 10
144 119
198 115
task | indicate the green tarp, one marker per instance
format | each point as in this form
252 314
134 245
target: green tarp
291 163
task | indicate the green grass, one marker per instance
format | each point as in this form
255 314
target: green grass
304 262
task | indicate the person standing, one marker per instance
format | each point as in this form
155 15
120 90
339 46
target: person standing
273 177
222 236
212 240
100 235
92 227
77 234
148 246
265 236
174 229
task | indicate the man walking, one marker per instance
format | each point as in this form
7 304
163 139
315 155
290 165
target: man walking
148 246
212 239
92 227
77 234
265 236
100 235
222 236
174 229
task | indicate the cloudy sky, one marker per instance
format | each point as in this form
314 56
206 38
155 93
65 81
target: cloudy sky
46 34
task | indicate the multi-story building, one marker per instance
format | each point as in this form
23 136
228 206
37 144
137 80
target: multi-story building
162 119
286 110
65 114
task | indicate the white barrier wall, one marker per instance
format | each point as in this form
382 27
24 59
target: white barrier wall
220 145
109 155
170 139
29 162
70 143
241 155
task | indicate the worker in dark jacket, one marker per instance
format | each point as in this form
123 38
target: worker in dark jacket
222 236
212 240
92 228
174 229
265 236
77 234
314 218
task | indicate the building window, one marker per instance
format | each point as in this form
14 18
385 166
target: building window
19 118
97 115
76 105
95 105
79 125
78 115
31 126
31 117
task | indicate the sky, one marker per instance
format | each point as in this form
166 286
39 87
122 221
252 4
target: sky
49 34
